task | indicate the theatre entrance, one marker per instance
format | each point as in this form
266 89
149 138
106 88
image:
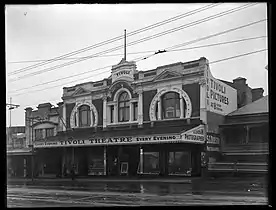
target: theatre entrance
122 160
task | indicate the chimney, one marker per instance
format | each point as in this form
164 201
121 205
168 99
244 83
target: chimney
239 81
257 93
45 105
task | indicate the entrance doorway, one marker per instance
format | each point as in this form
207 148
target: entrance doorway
122 160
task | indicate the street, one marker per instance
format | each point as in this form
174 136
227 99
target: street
127 194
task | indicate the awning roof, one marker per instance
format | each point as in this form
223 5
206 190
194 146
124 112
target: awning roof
243 123
256 107
139 131
24 151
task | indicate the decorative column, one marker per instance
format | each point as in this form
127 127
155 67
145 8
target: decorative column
181 107
159 109
141 160
73 155
25 167
104 160
77 118
64 116
104 110
204 98
63 162
140 107
130 112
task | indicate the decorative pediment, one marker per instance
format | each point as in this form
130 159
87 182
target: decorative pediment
167 75
80 91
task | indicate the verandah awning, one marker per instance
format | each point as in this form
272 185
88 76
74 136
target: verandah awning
176 134
24 151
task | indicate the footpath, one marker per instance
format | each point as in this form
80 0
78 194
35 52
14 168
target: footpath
224 186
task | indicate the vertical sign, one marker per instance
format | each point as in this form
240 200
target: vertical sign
220 97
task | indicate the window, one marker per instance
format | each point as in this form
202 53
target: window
180 163
123 107
84 116
111 114
235 135
49 132
135 111
258 134
38 134
170 105
151 162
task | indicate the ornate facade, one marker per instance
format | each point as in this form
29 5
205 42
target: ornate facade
158 122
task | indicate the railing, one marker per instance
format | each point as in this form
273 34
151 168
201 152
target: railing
237 167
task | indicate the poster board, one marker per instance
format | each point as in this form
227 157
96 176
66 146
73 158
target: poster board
124 168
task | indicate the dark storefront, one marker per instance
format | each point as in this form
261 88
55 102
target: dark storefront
130 151
19 164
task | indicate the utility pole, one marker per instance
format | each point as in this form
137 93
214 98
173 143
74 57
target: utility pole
31 145
125 47
11 107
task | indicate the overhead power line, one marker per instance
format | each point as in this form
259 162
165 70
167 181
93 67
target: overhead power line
182 44
140 40
212 62
152 51
117 38
77 80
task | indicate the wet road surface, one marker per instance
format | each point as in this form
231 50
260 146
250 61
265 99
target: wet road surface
127 194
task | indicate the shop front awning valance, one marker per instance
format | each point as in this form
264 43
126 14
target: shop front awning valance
177 134
25 151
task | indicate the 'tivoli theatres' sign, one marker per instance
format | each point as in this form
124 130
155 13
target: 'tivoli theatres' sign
194 135
220 97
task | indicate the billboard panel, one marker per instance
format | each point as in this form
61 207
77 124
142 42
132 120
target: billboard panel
220 97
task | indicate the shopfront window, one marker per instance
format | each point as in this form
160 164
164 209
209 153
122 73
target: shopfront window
180 163
84 116
151 162
124 107
96 164
170 105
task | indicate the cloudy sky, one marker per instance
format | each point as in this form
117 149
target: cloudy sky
41 32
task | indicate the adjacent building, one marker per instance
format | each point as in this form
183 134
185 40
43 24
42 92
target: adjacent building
17 153
245 139
42 123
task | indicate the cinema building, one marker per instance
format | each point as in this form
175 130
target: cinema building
162 121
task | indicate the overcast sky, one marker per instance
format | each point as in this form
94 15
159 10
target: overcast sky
41 32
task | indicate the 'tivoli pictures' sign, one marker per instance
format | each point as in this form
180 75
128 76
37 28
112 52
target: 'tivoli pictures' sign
220 97
194 135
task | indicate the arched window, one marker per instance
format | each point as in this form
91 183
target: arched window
123 104
84 116
170 105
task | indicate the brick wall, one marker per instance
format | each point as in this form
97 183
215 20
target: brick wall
98 103
193 90
69 108
147 98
